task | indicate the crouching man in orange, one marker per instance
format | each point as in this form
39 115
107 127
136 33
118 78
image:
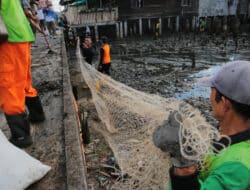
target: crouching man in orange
15 75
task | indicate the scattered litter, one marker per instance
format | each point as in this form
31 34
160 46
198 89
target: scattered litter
102 180
105 174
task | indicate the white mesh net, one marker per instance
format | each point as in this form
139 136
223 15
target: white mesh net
130 117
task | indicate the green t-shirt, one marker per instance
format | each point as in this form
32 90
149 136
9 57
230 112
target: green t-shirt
16 22
230 175
228 170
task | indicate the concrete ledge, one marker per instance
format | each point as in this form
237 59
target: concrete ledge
76 172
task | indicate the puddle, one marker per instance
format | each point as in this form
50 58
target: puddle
199 91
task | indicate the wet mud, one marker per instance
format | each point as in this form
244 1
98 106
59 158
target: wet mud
171 66
49 136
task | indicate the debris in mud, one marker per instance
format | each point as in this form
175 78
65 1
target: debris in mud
102 169
46 86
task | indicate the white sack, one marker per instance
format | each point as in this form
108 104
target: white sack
18 170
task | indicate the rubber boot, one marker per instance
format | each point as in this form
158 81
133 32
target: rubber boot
20 130
36 113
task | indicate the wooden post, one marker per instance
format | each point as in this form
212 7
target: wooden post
160 31
121 30
125 28
149 24
117 30
96 33
140 27
177 23
169 22
193 23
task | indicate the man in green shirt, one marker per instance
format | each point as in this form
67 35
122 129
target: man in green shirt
230 167
15 76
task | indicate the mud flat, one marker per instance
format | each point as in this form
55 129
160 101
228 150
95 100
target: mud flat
171 66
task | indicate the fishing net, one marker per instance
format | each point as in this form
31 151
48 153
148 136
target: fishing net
130 117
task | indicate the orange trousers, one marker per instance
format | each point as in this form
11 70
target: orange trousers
15 77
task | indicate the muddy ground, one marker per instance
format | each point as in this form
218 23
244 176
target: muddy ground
48 80
169 67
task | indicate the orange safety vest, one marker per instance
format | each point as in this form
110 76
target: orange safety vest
106 55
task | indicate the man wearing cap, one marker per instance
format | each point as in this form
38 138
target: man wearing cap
229 168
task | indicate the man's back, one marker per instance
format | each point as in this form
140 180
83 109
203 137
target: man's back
18 27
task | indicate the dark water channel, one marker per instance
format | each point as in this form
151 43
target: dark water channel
171 66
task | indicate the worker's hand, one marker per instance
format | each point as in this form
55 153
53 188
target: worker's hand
34 24
31 16
42 32
166 137
190 170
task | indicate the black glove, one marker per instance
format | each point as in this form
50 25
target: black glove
166 137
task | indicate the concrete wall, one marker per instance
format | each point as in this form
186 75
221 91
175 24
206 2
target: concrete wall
217 7
75 168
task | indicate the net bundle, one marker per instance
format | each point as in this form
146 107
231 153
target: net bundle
130 117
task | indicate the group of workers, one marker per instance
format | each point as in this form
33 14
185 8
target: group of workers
40 14
88 52
228 169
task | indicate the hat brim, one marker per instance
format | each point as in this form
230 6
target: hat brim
205 81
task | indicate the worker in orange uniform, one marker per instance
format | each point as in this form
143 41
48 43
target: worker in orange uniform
15 75
105 60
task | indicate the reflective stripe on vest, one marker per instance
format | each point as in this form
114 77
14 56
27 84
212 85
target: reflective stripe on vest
106 55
